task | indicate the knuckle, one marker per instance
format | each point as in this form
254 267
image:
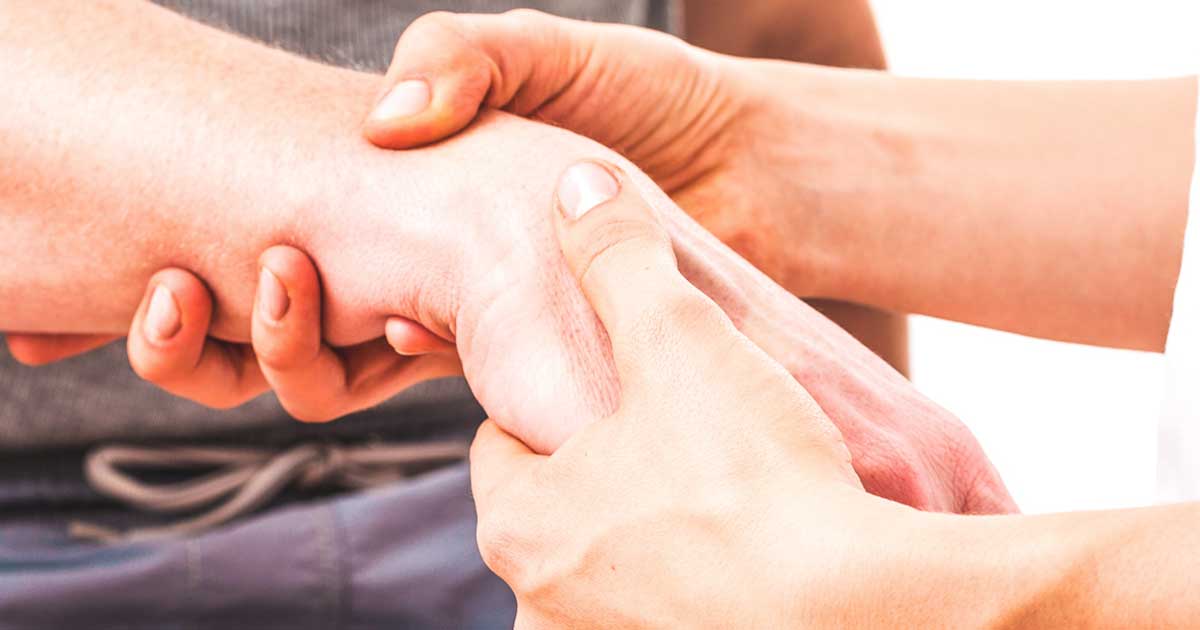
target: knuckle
526 15
498 547
673 317
276 356
421 30
482 436
283 350
614 245
689 309
433 21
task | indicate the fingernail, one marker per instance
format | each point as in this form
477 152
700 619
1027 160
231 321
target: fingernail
583 187
408 98
162 317
273 299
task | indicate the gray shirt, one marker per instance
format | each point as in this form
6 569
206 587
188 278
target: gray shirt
97 398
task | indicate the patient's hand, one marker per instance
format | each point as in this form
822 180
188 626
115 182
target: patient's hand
168 345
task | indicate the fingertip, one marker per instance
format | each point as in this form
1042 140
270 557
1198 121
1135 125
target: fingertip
436 123
438 80
175 312
585 185
409 338
288 295
190 294
167 336
286 328
28 350
611 239
292 267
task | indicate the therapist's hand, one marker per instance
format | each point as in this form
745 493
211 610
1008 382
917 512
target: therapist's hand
718 495
693 120
699 125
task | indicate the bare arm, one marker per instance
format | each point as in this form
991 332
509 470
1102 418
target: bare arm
1053 209
1110 569
140 140
792 541
838 33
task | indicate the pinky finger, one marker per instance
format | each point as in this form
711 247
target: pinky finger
43 349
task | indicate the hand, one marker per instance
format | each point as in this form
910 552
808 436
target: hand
718 495
694 121
43 349
168 346
699 129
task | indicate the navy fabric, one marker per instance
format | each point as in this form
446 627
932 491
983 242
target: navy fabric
398 557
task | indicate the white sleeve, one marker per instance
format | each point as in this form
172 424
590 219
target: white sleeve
1179 427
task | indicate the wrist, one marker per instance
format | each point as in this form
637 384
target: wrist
1028 571
842 163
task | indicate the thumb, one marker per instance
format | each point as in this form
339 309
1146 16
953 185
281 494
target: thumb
447 66
626 267
670 342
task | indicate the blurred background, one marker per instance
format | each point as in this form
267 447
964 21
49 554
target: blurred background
1069 427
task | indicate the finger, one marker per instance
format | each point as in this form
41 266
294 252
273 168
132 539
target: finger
314 382
412 339
447 66
42 349
623 259
496 458
169 345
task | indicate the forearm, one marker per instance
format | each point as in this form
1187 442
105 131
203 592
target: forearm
840 33
1113 569
1054 209
138 140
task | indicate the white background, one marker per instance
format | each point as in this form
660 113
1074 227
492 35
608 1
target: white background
1069 427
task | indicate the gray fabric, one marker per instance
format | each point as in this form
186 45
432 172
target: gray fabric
97 398
362 33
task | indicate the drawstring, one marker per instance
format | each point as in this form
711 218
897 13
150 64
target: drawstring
248 477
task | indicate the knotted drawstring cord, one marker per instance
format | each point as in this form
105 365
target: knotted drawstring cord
249 477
